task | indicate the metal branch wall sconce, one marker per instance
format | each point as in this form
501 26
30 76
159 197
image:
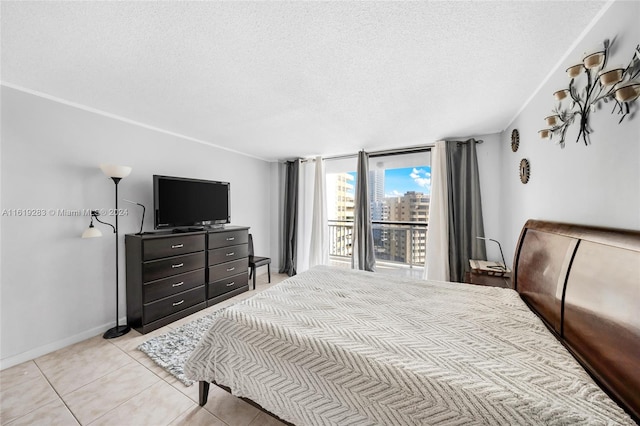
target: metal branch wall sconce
591 83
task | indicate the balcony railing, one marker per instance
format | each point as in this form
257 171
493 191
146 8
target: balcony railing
400 243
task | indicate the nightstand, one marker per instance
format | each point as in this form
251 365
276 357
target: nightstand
489 280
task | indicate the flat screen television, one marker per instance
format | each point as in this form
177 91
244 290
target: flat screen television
182 202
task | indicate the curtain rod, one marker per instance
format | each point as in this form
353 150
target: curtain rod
381 153
397 151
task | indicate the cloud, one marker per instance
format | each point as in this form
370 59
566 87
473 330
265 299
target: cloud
421 177
394 193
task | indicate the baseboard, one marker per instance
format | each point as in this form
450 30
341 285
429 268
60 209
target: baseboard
54 346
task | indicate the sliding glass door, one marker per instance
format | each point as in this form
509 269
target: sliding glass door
399 194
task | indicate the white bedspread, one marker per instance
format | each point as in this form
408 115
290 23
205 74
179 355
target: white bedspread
339 347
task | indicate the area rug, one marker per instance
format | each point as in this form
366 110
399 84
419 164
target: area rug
171 350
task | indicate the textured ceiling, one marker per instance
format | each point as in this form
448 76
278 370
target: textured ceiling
283 79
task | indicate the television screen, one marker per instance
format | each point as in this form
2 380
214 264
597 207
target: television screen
189 202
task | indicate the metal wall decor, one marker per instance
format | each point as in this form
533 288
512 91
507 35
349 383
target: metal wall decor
525 170
515 140
592 84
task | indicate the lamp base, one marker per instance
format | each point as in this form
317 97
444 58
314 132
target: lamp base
117 331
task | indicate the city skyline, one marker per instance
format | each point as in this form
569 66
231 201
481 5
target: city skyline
397 196
398 182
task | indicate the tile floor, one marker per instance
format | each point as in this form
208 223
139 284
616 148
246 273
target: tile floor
110 382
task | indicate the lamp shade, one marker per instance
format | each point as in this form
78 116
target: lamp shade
91 232
114 171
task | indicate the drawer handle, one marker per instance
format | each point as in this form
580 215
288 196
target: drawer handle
231 269
179 265
177 246
231 283
178 284
231 254
179 303
231 238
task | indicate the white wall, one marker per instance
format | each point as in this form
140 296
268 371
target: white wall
56 287
597 184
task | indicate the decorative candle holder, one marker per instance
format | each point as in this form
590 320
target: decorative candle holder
552 120
611 76
574 70
561 94
593 60
588 90
628 92
545 133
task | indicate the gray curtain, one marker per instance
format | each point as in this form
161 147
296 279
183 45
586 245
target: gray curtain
362 256
290 229
465 208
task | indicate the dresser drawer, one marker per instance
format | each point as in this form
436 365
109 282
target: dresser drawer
227 254
155 290
172 304
172 246
223 239
157 269
228 269
223 286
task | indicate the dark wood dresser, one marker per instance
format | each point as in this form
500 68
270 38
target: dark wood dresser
170 276
228 263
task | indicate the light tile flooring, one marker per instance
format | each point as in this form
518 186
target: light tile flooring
110 382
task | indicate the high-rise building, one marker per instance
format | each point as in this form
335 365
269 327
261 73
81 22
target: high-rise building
340 204
376 185
408 245
379 211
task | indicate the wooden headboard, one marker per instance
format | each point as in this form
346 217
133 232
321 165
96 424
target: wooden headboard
584 282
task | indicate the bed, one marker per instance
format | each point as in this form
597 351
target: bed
334 346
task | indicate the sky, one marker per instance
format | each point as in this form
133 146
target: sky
398 182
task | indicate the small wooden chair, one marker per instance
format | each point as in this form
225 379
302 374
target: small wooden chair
257 261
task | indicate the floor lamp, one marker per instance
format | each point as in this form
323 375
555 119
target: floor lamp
116 173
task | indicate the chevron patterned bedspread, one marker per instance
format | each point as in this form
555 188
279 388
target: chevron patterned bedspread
339 347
